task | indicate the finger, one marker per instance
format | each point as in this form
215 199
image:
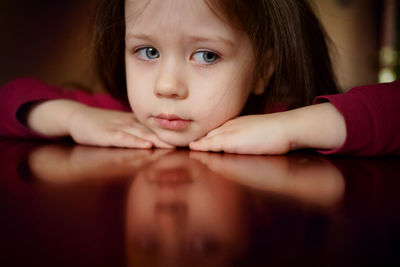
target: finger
227 127
146 135
198 145
160 144
213 143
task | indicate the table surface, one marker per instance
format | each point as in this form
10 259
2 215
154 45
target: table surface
67 205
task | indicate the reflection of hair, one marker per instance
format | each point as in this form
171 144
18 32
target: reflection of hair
285 32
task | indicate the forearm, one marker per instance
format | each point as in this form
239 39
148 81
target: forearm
51 118
319 126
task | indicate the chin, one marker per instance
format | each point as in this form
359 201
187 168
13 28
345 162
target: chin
176 139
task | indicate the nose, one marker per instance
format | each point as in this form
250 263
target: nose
170 81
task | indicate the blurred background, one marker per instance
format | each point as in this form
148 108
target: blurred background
49 40
52 40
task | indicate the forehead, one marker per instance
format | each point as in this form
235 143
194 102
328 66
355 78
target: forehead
173 15
140 9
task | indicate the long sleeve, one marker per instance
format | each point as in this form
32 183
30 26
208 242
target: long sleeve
372 117
15 94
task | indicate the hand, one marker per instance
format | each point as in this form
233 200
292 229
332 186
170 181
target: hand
253 134
93 126
318 126
90 126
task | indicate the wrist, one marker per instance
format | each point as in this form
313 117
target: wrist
319 126
52 117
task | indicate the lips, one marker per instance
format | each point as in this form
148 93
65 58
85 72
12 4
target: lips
172 121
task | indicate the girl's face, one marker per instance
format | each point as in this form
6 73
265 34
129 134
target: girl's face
187 71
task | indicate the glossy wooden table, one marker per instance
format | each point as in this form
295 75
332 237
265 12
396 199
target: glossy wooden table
68 205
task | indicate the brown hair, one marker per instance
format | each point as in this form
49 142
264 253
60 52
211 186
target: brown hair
285 32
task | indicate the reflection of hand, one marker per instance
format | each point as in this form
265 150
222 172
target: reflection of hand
304 178
57 163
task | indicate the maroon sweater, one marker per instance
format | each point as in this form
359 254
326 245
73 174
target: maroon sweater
371 113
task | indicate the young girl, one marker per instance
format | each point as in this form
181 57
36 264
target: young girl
214 75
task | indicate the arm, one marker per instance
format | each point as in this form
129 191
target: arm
318 126
16 96
372 117
89 119
89 125
363 121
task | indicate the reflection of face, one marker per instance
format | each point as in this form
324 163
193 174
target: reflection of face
180 211
187 71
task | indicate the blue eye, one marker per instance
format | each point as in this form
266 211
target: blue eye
205 57
147 53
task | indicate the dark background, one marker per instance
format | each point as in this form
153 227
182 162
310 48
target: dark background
51 40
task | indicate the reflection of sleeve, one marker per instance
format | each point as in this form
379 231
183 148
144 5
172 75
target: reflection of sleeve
372 116
14 95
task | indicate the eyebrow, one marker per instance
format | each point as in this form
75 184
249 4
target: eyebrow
216 39
137 36
147 37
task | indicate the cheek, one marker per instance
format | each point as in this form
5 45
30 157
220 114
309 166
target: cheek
134 95
139 91
222 97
